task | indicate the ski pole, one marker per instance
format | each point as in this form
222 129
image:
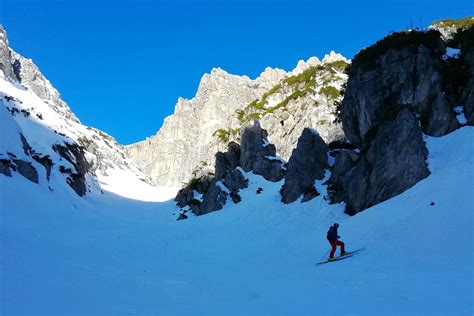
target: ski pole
324 256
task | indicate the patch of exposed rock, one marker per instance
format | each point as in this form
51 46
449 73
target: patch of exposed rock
393 161
307 164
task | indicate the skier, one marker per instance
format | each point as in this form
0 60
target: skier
333 237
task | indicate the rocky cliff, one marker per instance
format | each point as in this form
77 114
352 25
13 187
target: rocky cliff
404 86
284 103
185 143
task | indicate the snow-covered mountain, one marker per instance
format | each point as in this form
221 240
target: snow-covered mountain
46 143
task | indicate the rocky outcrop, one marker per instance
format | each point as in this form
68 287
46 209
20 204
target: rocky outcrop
75 155
210 192
258 155
307 163
214 199
26 169
405 85
227 161
404 68
393 161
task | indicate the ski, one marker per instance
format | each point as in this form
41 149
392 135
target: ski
337 259
345 256
353 251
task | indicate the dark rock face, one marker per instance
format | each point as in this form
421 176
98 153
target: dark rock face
235 180
257 153
222 165
5 167
233 154
270 169
407 75
235 197
26 169
398 89
75 155
182 216
307 163
251 142
468 93
46 162
26 146
344 161
394 161
228 160
213 200
184 196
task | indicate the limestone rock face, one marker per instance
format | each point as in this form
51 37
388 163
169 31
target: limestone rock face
202 126
186 139
308 98
30 76
394 161
307 163
6 68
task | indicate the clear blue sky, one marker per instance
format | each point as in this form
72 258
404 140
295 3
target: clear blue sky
121 65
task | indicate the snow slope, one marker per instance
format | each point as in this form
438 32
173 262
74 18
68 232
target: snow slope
105 254
43 124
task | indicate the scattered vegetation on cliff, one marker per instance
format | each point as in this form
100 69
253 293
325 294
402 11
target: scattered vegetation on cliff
224 135
367 57
464 23
314 80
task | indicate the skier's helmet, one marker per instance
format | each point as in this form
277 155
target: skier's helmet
336 225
